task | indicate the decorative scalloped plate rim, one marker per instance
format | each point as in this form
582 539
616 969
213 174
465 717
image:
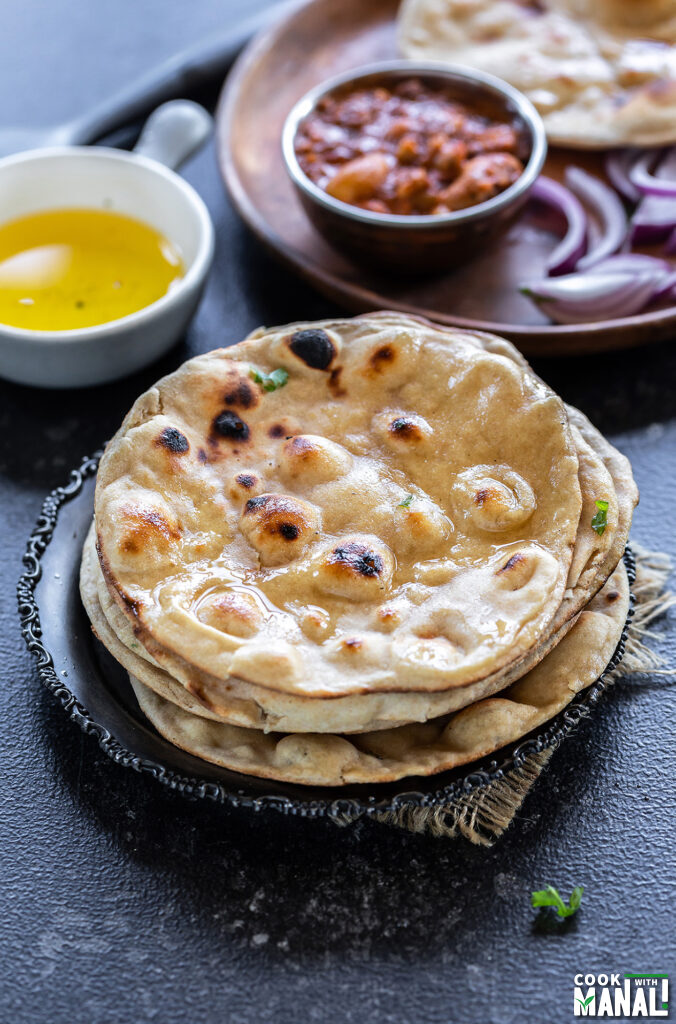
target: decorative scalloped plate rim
244 791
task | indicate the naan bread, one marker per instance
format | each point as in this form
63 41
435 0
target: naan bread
410 750
245 704
601 72
400 516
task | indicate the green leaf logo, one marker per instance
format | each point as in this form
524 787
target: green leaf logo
585 1002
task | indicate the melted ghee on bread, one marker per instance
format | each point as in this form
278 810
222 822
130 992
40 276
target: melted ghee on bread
400 514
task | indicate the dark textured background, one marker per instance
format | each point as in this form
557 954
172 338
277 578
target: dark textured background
123 903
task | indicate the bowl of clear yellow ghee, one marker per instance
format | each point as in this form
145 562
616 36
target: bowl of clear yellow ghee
103 258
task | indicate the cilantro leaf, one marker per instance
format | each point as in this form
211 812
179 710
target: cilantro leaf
270 381
277 378
600 519
575 898
406 502
549 897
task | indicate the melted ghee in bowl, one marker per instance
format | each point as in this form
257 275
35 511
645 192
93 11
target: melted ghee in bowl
70 268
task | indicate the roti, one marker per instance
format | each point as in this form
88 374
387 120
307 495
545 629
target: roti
411 750
248 705
602 73
398 516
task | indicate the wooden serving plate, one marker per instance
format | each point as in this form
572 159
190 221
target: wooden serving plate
321 38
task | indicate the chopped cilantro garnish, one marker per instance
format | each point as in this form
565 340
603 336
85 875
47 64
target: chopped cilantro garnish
406 502
549 897
600 519
270 381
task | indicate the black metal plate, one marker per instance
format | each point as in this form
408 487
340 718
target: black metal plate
95 690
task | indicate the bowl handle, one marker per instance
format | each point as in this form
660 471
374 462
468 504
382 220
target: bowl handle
174 132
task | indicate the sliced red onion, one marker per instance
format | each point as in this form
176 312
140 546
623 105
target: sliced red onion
666 290
655 216
574 244
671 242
652 184
584 298
607 206
618 165
631 262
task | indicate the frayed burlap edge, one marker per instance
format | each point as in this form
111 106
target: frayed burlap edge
484 813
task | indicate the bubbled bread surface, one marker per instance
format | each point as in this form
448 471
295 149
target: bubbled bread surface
399 515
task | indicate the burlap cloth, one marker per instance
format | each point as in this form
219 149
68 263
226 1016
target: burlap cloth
483 814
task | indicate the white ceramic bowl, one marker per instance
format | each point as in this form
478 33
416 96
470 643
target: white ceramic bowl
126 183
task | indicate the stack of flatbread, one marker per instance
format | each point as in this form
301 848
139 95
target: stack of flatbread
357 550
601 72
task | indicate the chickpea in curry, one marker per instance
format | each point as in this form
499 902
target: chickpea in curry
409 149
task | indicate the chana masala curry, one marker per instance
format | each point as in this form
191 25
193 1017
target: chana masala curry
411 149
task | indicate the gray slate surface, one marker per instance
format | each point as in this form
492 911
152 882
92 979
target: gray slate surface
123 903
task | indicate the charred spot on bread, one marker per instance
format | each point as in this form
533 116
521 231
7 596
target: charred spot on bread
387 614
202 455
229 425
406 428
280 515
247 480
314 347
358 567
277 430
400 430
512 563
357 557
279 526
243 394
174 441
382 357
482 496
254 504
146 526
493 498
352 643
335 387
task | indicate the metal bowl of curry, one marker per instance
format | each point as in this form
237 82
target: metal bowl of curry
413 166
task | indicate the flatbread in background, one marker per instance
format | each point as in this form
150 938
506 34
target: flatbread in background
411 750
602 73
360 529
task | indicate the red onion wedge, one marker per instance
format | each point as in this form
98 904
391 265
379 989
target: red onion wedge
648 183
632 263
655 216
574 244
665 293
586 297
618 166
640 263
606 204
